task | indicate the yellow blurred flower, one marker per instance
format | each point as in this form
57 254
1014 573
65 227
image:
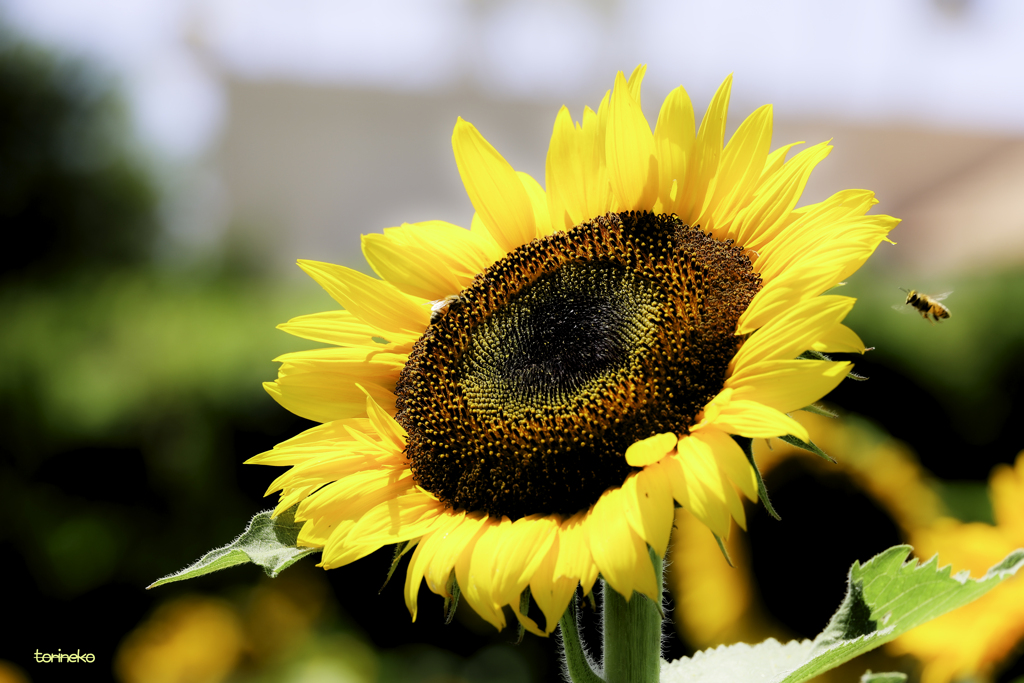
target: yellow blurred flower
276 631
718 605
970 643
190 640
9 673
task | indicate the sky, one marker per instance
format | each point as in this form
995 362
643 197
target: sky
945 64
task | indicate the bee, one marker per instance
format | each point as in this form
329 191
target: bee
440 307
928 305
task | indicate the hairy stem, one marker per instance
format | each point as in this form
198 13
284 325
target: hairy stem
577 663
632 634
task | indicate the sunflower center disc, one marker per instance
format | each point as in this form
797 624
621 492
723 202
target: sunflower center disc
524 393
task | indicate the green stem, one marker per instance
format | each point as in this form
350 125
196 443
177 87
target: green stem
577 663
632 634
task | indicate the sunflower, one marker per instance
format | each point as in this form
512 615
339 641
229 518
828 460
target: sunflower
522 404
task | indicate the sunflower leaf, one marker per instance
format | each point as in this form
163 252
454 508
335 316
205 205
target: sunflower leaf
524 608
451 603
721 546
807 446
818 355
816 409
886 597
267 541
400 550
748 449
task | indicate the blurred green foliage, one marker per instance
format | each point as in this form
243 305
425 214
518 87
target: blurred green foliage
970 362
75 195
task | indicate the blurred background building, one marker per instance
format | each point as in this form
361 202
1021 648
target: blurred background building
164 163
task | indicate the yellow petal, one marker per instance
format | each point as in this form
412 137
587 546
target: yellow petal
735 507
293 496
752 419
688 487
1007 490
337 327
731 459
698 459
335 508
674 139
348 498
302 453
703 165
375 302
410 270
520 553
552 593
386 427
313 535
649 508
564 174
618 552
636 78
539 202
426 555
629 151
793 332
448 545
414 577
324 397
357 363
807 223
336 464
837 234
464 253
600 198
671 470
323 436
403 518
475 569
526 622
773 163
574 557
494 188
814 270
838 339
651 449
777 196
739 169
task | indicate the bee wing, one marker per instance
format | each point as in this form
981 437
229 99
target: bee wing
902 308
942 297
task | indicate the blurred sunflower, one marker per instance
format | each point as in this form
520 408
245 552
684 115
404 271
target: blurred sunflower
717 605
975 640
524 400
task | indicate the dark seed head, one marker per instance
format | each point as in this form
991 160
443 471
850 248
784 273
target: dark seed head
524 397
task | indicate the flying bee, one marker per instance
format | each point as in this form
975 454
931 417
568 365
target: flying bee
928 305
440 307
